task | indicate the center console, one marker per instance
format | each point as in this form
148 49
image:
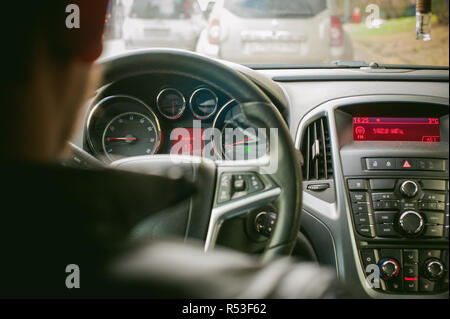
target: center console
395 216
395 165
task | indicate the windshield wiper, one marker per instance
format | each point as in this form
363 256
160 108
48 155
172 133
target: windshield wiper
334 65
351 64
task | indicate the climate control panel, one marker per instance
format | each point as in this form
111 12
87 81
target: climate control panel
408 270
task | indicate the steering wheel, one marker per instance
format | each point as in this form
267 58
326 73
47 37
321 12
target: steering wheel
279 170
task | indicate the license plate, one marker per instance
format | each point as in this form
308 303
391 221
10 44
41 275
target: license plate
156 32
272 47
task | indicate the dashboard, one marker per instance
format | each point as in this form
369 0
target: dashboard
375 158
169 114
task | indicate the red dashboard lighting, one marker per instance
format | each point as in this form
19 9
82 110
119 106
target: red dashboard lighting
410 279
415 129
192 144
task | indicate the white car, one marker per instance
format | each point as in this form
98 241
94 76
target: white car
291 31
163 23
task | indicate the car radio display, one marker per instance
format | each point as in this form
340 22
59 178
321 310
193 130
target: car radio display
415 129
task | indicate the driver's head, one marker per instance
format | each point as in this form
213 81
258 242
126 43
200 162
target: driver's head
47 68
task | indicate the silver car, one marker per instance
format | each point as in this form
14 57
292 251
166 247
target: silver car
263 31
163 23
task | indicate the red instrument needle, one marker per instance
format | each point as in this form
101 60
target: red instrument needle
121 138
240 142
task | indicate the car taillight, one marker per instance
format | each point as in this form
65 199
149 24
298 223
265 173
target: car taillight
214 32
336 32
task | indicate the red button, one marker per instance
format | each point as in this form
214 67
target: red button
406 165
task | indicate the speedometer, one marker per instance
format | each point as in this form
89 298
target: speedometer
131 134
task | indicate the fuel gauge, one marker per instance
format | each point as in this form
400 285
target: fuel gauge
171 103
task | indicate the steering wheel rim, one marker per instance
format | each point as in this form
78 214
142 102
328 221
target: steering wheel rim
255 105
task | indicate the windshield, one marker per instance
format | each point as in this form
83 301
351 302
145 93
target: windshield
277 32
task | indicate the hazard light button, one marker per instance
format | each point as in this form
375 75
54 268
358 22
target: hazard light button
406 164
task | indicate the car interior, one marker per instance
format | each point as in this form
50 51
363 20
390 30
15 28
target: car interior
362 200
344 163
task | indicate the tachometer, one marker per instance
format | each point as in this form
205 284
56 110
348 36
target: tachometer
131 134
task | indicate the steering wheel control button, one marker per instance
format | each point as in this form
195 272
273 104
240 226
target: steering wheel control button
411 222
265 223
224 188
239 186
357 184
409 188
239 183
233 186
254 183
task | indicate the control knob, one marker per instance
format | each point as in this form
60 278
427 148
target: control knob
411 222
409 188
434 269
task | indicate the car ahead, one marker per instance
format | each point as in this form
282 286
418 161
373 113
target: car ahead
163 23
292 31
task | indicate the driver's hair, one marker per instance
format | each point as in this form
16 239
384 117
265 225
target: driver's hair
25 25
39 52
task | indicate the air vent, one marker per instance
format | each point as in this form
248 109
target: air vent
316 150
